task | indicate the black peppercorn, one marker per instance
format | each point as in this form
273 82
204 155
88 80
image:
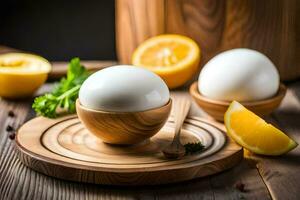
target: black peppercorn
12 136
11 113
9 128
240 186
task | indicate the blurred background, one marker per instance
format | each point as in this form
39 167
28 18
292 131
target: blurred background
111 30
60 30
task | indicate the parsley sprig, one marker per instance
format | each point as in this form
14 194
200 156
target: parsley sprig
191 148
64 94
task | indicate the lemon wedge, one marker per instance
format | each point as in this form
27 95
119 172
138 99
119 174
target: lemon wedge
175 58
22 74
255 134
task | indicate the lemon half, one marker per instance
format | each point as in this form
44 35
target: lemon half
175 58
22 74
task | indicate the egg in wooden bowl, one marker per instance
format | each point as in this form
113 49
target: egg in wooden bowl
242 75
123 104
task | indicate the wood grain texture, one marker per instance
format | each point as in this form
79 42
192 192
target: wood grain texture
64 149
217 108
124 127
19 182
271 27
175 149
138 20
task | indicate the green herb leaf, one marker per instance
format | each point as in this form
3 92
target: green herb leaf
64 94
191 148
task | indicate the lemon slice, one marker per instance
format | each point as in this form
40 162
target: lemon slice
254 134
22 74
174 58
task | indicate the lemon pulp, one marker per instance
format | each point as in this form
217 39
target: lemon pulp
22 74
174 58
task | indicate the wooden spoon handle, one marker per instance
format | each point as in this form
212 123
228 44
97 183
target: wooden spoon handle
182 106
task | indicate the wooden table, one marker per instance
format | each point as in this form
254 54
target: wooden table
265 178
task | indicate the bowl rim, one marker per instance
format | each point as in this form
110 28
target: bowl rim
196 94
78 104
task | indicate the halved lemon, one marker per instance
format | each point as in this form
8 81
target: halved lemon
255 134
175 58
22 74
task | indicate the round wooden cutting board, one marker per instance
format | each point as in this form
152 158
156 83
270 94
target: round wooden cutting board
63 148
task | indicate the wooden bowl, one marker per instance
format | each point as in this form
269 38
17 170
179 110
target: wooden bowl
217 108
123 128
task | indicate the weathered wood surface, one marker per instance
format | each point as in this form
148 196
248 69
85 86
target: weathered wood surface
19 182
270 26
282 175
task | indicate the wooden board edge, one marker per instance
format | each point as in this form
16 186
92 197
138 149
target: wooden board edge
72 173
230 146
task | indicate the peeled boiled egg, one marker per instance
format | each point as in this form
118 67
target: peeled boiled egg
239 74
124 88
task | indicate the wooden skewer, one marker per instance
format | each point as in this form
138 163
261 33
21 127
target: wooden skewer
176 150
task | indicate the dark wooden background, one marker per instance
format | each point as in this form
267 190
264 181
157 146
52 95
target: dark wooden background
60 29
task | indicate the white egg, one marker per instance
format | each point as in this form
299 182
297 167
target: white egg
124 88
239 74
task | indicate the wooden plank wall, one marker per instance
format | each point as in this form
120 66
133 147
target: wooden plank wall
270 26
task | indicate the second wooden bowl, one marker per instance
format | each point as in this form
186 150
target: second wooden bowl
217 109
123 128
